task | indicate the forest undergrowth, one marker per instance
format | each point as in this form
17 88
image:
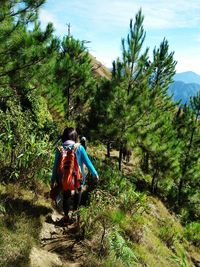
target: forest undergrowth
120 226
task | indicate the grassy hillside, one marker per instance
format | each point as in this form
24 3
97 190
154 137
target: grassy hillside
120 227
99 69
21 213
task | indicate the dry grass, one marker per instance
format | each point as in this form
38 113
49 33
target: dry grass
99 69
20 224
153 234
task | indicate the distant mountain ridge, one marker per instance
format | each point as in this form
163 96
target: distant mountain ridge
185 85
187 77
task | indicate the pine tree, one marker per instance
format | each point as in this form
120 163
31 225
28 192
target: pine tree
157 142
22 51
188 134
163 68
130 83
24 112
74 76
101 116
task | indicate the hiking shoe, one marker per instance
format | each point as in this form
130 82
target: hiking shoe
67 220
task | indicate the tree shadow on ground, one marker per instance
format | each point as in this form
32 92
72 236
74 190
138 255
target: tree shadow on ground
21 220
66 241
18 205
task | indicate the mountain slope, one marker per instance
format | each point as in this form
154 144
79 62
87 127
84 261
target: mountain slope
146 234
187 77
185 85
99 69
183 91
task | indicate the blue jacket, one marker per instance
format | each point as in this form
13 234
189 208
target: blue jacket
82 159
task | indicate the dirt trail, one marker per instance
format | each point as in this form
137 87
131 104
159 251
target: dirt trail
59 246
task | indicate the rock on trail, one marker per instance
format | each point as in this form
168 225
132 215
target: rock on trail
59 246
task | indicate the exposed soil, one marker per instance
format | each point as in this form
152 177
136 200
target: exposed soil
59 245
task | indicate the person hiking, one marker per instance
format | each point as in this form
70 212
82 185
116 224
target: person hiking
69 140
83 142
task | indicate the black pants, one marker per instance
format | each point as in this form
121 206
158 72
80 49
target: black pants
68 199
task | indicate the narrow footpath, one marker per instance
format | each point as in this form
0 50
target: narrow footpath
59 246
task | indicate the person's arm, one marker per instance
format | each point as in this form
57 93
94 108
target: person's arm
88 162
55 165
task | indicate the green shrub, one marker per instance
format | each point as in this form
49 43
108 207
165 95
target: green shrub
121 249
192 233
169 232
25 147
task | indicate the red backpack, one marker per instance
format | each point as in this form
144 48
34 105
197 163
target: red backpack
68 169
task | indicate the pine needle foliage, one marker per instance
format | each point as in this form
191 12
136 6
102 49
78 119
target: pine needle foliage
25 118
73 72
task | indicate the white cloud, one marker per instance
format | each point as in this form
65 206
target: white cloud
105 22
172 14
47 16
158 14
188 62
105 14
185 63
106 58
188 65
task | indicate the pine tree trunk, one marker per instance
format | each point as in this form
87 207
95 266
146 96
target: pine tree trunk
108 149
153 182
185 166
180 192
147 162
68 102
145 166
120 157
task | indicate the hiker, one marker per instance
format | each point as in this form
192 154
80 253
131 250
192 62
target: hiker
126 154
69 140
83 142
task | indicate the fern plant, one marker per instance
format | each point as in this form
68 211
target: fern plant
121 249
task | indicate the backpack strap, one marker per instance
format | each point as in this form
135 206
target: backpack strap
60 148
70 147
76 145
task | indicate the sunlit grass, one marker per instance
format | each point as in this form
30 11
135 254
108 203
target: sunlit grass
20 224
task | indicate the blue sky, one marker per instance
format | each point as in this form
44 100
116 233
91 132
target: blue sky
104 23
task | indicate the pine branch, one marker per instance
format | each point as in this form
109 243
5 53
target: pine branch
21 11
21 68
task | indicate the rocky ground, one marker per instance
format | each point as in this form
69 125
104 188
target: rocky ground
59 246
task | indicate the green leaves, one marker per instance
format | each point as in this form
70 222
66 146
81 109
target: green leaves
192 232
121 249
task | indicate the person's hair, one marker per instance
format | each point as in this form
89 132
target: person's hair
69 134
